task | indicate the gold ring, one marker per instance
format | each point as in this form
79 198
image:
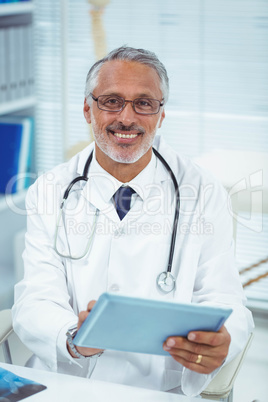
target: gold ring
199 358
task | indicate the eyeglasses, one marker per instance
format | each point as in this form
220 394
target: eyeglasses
114 103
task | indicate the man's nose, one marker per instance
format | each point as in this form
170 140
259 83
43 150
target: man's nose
128 113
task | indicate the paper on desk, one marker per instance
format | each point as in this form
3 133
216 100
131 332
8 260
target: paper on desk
14 388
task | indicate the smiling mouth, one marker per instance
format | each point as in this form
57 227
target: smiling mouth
124 136
122 132
120 135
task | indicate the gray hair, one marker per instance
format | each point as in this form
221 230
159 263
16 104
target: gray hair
128 54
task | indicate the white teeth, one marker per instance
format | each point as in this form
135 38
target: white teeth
125 135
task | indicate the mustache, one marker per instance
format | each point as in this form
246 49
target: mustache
121 127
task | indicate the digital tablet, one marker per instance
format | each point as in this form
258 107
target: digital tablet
141 325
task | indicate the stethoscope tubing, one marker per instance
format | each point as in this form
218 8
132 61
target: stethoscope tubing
177 209
167 274
76 179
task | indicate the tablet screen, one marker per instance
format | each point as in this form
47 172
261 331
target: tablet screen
141 325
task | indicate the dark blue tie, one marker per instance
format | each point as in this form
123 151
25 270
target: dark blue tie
122 199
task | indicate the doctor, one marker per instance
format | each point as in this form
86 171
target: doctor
93 244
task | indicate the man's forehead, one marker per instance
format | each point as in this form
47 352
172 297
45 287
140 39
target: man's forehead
116 65
118 72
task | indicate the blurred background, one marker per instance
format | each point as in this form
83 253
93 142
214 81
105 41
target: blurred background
216 55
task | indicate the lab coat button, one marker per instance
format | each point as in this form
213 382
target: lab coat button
118 232
114 288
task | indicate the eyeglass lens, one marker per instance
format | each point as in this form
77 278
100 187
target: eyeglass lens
116 104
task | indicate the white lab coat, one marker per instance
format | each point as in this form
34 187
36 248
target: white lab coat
125 257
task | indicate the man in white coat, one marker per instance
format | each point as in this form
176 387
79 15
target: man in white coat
125 97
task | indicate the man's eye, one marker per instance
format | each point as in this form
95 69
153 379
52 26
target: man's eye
112 101
144 103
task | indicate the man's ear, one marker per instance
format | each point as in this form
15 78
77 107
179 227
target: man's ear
87 112
161 118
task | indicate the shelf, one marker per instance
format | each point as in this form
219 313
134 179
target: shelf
16 8
7 201
17 105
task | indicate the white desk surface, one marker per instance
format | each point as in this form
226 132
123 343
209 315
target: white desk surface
65 388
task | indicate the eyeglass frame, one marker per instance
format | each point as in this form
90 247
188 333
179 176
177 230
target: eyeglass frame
96 99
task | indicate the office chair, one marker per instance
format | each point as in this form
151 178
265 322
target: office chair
6 330
221 387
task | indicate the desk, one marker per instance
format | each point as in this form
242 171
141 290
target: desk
65 388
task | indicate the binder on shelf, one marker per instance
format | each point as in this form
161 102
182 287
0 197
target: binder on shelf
22 50
3 71
29 68
16 58
16 136
31 57
12 63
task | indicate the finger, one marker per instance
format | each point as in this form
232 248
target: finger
81 318
91 304
181 343
210 338
210 362
186 355
220 351
83 314
206 368
88 351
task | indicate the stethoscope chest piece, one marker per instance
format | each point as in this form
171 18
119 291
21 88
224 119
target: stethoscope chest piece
165 282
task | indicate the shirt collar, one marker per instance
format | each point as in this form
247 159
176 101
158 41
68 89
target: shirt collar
107 184
101 186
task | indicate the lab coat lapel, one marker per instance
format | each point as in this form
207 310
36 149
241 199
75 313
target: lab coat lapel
99 188
95 192
151 193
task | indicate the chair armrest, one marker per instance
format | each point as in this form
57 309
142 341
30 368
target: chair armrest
6 327
222 384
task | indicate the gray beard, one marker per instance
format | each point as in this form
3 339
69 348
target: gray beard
115 153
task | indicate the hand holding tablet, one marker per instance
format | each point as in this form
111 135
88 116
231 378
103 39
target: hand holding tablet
141 325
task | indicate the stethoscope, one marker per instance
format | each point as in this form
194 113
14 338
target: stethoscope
165 281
